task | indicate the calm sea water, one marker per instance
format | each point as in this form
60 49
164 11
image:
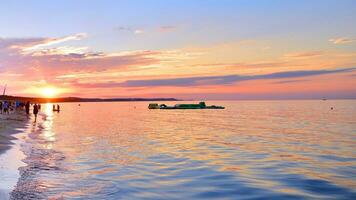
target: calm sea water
250 150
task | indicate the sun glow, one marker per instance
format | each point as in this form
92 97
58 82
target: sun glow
49 92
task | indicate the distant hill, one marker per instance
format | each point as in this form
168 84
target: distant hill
77 99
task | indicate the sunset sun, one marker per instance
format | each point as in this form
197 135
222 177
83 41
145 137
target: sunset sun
49 92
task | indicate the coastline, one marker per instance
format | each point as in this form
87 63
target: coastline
8 127
10 154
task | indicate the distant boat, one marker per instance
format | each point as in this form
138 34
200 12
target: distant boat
201 105
324 99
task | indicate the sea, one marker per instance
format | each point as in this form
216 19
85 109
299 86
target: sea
290 149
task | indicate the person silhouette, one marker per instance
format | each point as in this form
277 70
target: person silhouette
35 111
27 108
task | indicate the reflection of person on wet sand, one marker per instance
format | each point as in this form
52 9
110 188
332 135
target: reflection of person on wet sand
35 111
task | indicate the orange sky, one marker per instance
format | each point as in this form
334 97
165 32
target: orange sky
222 57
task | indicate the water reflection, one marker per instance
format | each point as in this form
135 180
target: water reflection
42 160
290 149
47 132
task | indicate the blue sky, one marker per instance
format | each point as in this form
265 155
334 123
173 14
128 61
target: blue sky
199 22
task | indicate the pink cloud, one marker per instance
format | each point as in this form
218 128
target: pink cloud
167 28
342 40
43 62
304 54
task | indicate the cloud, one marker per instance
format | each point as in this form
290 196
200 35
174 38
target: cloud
123 29
49 41
49 62
162 29
289 81
63 50
7 75
130 30
109 84
138 31
167 28
304 54
342 40
259 65
229 79
7 43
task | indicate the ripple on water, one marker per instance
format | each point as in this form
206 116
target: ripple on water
285 151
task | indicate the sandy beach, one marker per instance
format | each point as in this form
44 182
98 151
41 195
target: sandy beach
9 150
8 125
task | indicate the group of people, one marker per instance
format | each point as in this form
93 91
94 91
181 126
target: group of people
56 109
7 106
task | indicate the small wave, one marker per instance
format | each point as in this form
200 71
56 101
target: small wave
39 161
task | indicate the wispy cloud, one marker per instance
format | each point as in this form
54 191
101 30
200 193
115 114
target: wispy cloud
7 75
342 40
304 54
229 79
52 41
139 31
130 30
289 81
167 28
50 62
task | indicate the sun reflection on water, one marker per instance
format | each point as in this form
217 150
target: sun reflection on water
48 134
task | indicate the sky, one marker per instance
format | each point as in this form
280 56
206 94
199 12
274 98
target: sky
187 49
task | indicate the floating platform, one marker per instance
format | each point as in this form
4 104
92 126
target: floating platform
201 105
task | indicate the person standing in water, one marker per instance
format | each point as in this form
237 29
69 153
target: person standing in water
27 108
35 111
58 108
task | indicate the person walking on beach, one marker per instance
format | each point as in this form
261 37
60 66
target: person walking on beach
0 107
58 108
35 111
27 108
6 107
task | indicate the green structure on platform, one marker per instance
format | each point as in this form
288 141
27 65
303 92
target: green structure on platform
201 105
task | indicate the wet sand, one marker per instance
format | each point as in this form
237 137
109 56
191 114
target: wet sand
9 150
8 125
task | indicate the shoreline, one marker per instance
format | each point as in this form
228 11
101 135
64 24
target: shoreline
8 128
11 156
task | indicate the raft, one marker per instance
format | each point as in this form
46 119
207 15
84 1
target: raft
201 105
